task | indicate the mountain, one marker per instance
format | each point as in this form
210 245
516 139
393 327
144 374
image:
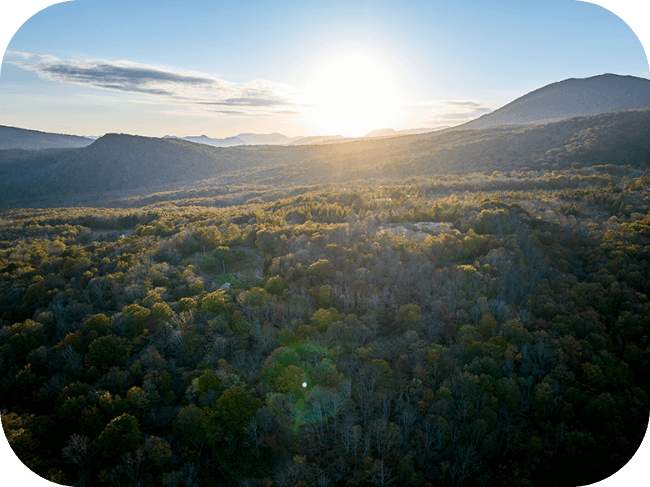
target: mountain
388 132
124 164
118 166
266 139
204 139
318 139
241 139
574 97
17 138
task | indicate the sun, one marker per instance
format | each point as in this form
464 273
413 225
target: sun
351 93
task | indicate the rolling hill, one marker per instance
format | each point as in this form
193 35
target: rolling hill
117 166
517 135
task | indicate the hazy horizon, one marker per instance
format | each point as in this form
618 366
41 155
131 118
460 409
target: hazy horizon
190 69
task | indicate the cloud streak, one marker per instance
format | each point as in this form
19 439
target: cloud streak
123 78
168 85
453 112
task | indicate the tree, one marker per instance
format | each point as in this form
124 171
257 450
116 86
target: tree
216 302
381 474
208 382
196 427
121 435
160 313
158 449
235 407
136 319
99 324
289 380
275 285
192 343
323 318
79 452
22 338
107 351
409 318
18 431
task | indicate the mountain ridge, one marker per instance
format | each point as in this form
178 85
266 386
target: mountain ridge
118 166
20 138
572 97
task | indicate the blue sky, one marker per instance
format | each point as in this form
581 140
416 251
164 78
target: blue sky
299 68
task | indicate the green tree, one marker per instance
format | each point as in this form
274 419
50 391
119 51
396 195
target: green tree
289 380
192 343
18 431
108 351
275 285
323 318
208 382
409 318
136 319
22 338
235 407
160 313
187 303
121 435
99 324
196 427
216 302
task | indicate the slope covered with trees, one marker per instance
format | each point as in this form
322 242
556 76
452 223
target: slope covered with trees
485 329
116 167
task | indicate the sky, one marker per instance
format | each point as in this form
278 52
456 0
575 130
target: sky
298 68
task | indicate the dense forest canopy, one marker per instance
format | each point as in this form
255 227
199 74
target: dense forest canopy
475 329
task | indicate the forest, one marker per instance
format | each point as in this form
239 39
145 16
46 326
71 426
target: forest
488 328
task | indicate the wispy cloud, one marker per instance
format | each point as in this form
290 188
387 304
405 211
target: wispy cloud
452 112
166 84
123 78
248 102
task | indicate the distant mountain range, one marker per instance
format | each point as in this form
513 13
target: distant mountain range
121 169
397 133
557 101
241 139
570 98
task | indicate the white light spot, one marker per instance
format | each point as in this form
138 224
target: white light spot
304 384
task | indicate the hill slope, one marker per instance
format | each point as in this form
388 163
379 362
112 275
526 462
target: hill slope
17 138
570 98
124 165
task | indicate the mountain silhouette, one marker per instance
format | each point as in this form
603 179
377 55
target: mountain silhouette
574 97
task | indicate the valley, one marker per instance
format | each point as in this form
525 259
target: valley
469 305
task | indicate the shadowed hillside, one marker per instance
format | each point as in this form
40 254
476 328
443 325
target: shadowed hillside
125 163
124 166
17 138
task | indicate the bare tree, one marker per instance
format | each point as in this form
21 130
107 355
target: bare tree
381 475
407 419
252 432
132 466
384 435
79 452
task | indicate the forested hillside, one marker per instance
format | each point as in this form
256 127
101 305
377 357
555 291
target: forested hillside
116 167
457 330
